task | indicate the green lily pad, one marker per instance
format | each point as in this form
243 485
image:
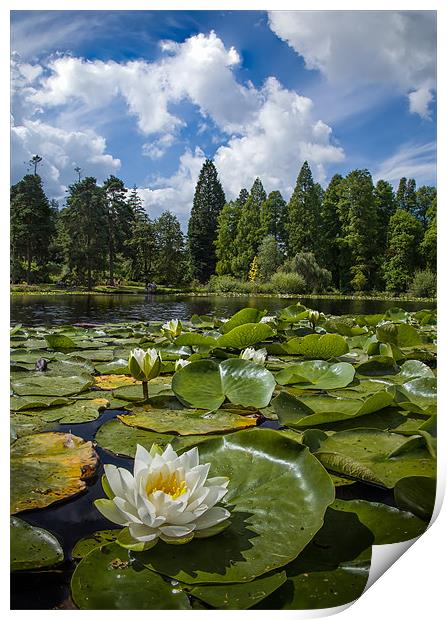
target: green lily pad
364 454
401 335
57 341
205 384
317 375
269 476
244 316
414 369
76 413
416 494
293 314
48 467
106 579
93 541
186 421
245 335
419 392
99 355
316 346
309 411
389 525
239 595
378 365
32 547
193 339
332 570
21 403
43 385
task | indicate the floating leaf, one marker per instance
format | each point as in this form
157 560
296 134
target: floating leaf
32 547
245 336
316 346
43 385
293 314
107 579
112 382
317 375
269 476
416 494
21 403
48 467
402 335
186 421
244 316
93 541
57 341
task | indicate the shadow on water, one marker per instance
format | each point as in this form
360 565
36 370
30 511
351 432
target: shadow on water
34 310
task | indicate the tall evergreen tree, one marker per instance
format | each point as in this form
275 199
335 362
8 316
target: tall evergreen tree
404 235
303 214
170 249
141 243
331 232
410 197
386 207
119 220
273 216
429 242
32 225
85 222
401 192
270 257
249 233
425 196
209 199
359 220
226 234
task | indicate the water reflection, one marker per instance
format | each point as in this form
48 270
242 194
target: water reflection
61 309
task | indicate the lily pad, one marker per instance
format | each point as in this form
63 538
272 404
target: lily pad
93 541
76 413
270 476
316 346
402 335
416 494
48 467
42 385
112 382
107 579
245 335
418 392
58 341
186 421
317 375
32 547
21 403
244 316
294 313
389 525
205 384
364 454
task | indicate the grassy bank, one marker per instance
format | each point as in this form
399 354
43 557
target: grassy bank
52 289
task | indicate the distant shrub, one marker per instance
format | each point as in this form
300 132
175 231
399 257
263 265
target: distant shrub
283 282
316 278
228 284
423 284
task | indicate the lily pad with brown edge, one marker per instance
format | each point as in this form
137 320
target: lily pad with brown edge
186 421
33 547
21 425
379 457
93 541
106 578
270 476
48 467
113 382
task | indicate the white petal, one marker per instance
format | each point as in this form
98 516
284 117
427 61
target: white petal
169 453
142 532
176 531
127 509
211 517
221 481
119 481
215 494
111 512
142 460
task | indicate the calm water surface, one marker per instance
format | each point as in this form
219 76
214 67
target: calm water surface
61 309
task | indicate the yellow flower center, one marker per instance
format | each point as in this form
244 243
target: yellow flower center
169 485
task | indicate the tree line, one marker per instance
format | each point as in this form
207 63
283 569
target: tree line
353 236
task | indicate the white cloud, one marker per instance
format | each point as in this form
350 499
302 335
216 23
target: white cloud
158 148
410 161
420 100
354 48
61 151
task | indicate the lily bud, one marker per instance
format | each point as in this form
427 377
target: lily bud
181 363
144 365
258 357
172 328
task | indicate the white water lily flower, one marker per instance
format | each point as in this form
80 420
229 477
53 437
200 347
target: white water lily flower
168 497
181 363
172 328
144 365
258 357
267 319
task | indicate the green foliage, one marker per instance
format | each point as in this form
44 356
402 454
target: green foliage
288 282
119 217
423 284
329 249
270 257
273 216
32 226
141 243
303 214
249 232
170 252
316 278
209 199
404 236
429 242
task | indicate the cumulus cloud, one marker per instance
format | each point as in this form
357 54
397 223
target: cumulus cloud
267 131
355 48
410 160
61 151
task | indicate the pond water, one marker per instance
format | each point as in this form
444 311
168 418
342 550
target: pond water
34 310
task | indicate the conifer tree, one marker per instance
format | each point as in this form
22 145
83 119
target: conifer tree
119 220
400 194
32 225
425 196
273 216
170 249
209 199
141 243
402 258
84 222
303 215
429 242
249 233
331 232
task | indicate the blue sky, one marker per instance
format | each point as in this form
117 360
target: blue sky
147 95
